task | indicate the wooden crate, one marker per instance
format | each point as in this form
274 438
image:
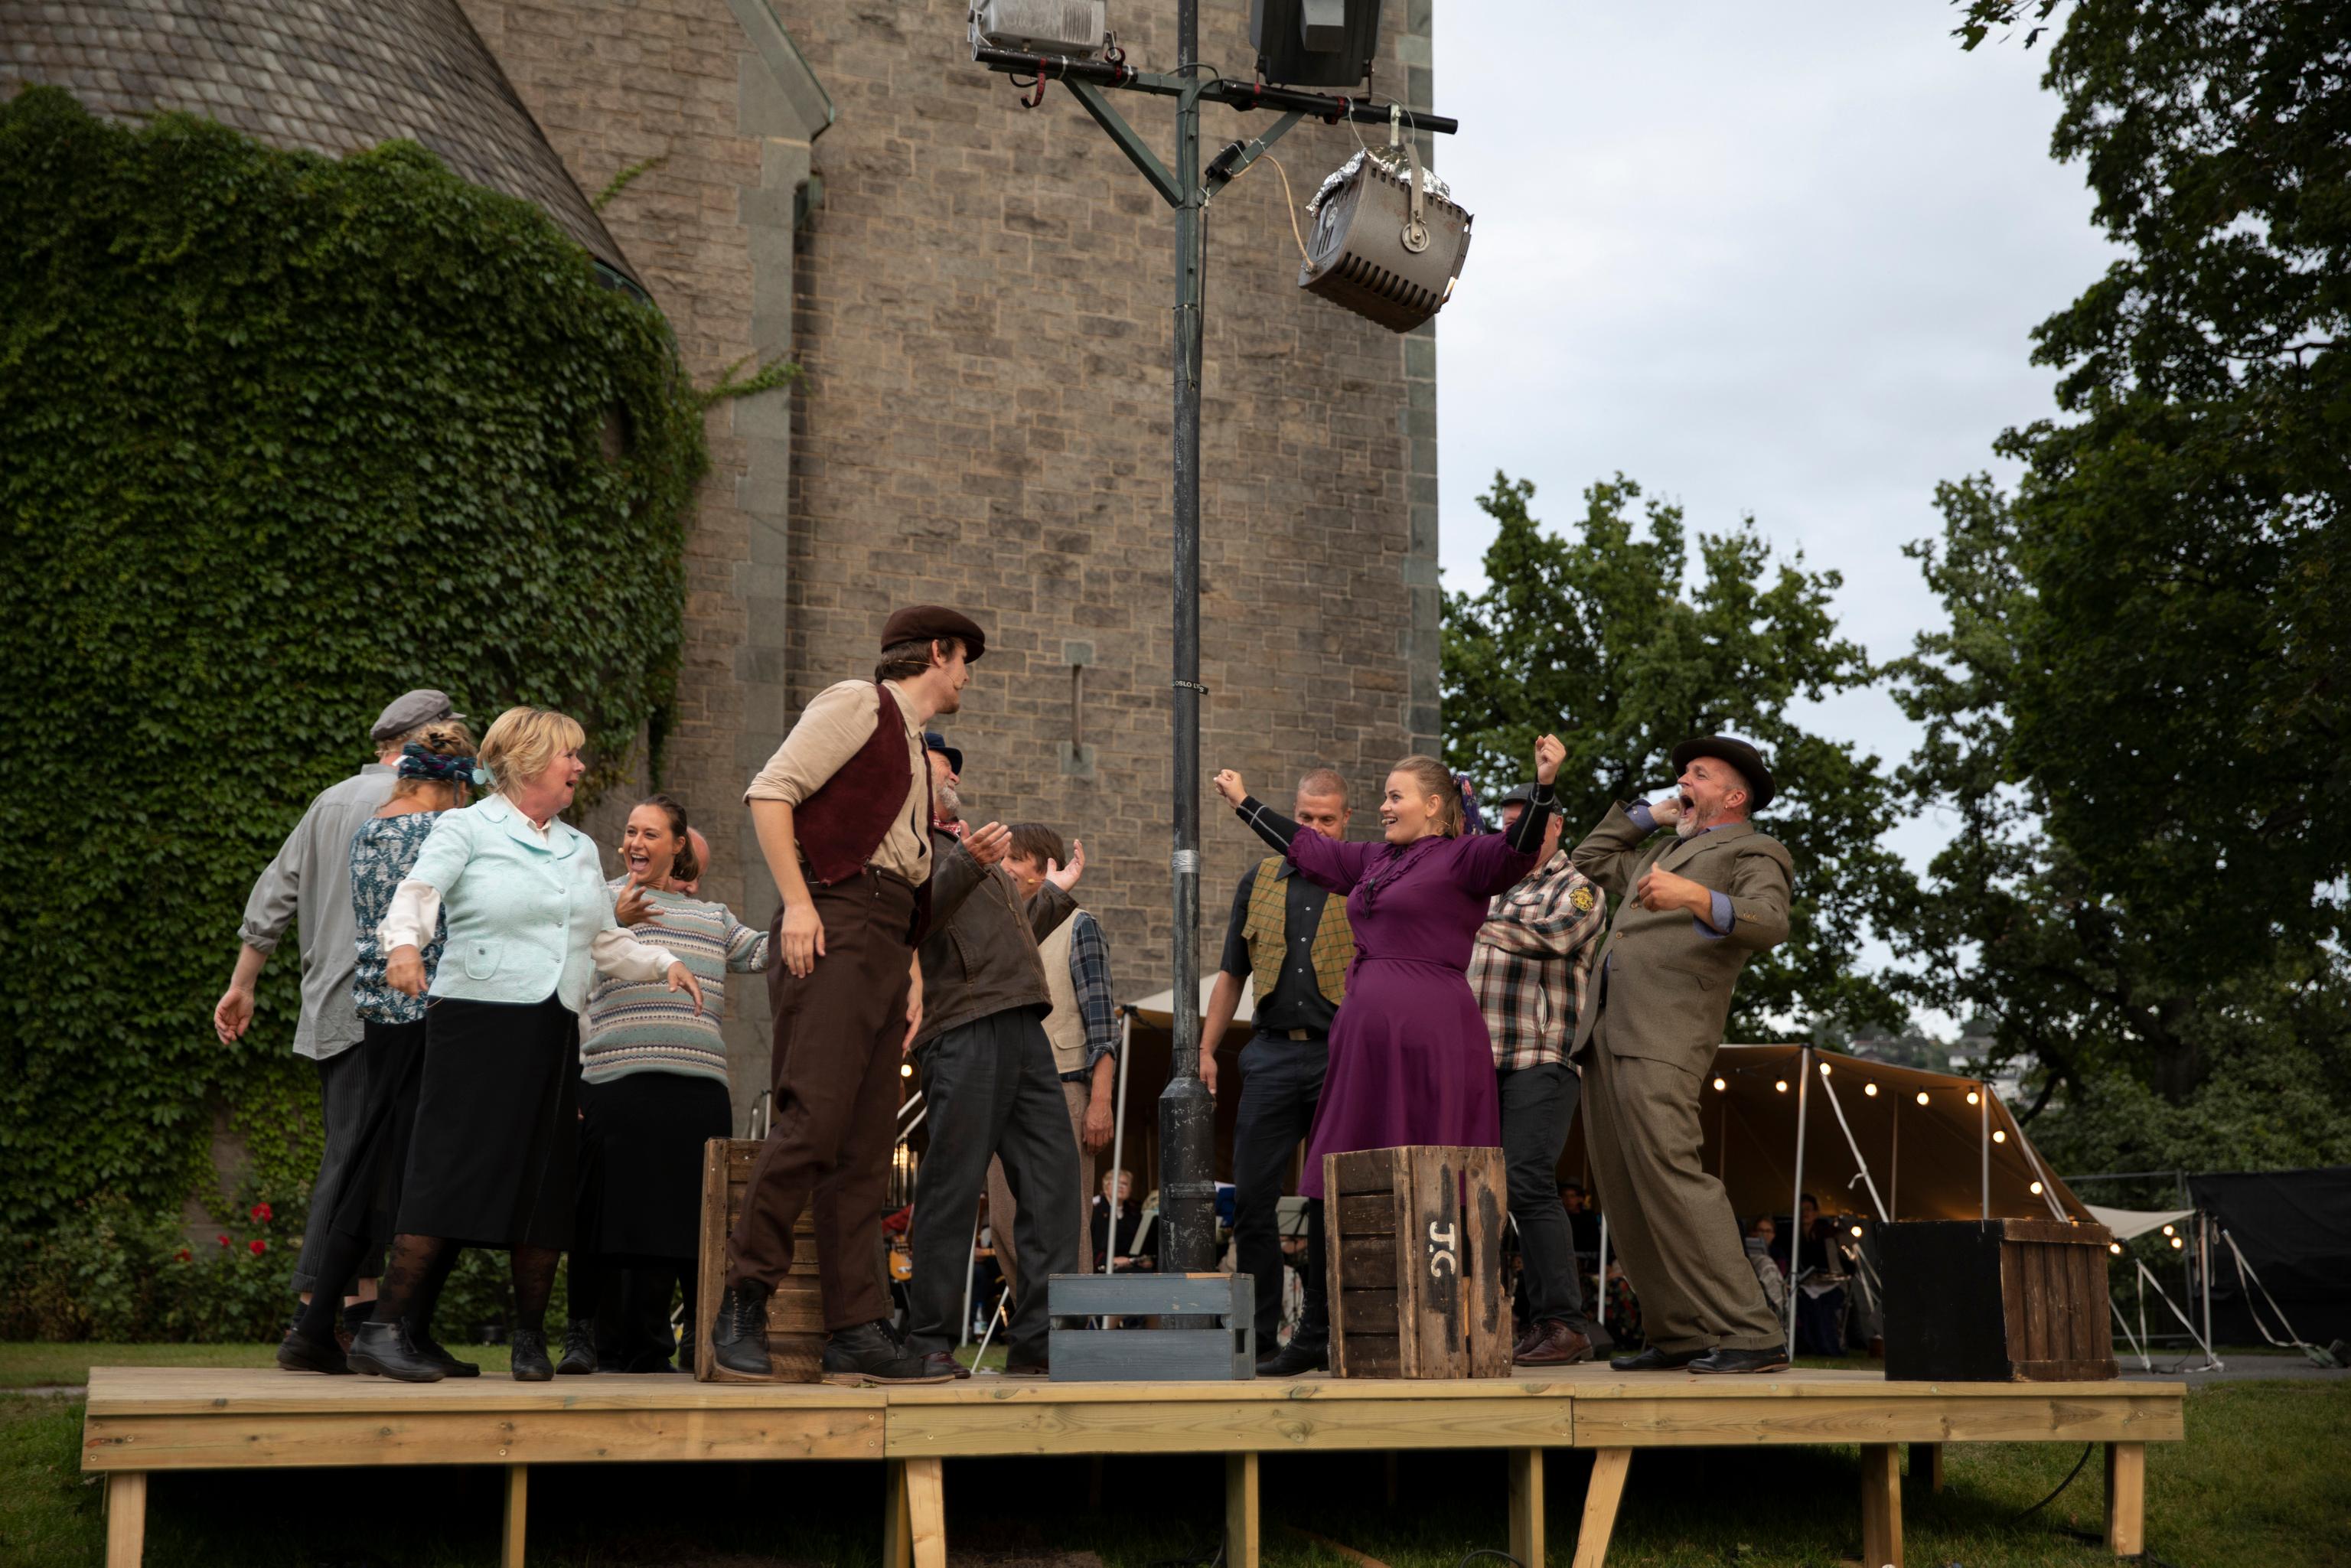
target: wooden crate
795 1313
1221 1351
1996 1300
1415 1259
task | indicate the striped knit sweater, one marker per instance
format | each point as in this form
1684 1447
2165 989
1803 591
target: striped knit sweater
645 1027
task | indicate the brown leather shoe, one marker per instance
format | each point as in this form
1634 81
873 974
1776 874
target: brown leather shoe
1552 1344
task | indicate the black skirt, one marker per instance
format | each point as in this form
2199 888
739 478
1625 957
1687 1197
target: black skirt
640 1156
491 1163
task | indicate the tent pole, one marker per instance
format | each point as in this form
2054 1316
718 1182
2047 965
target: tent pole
969 1264
1983 1106
1600 1281
2204 1256
1796 1202
1894 1171
1854 1144
1117 1146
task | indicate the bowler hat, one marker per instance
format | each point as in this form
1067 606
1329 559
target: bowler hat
933 741
1739 755
930 623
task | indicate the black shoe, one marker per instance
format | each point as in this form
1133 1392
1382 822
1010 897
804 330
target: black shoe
383 1349
1293 1359
944 1361
738 1334
1722 1358
300 1352
529 1357
579 1348
433 1350
870 1353
1655 1360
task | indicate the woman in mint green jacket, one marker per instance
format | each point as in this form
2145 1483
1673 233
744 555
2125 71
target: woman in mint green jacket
529 925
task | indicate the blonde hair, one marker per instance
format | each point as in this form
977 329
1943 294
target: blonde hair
524 742
442 737
1431 776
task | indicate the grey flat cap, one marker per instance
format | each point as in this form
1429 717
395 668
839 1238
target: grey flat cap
411 709
1524 794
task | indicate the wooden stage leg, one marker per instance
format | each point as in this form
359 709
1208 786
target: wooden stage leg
926 1513
1881 1505
897 1529
1527 1506
1608 1471
126 1518
2126 1499
1241 1510
517 1514
1927 1465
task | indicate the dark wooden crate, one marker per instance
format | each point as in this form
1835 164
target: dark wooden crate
1996 1300
795 1313
1415 1238
1222 1352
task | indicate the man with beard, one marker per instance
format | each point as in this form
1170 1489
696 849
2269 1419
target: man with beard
842 814
991 1088
1693 907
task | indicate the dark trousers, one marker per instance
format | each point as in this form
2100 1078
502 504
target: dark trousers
342 1104
1281 1083
990 1090
833 1071
1538 1102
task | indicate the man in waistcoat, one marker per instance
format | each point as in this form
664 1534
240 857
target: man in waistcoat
1082 1030
1289 938
1693 907
991 1090
843 813
1531 971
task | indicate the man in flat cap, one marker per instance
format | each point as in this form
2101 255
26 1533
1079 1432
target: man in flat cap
1694 907
843 811
311 876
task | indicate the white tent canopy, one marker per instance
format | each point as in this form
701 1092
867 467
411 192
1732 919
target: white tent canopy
1157 1011
2127 1223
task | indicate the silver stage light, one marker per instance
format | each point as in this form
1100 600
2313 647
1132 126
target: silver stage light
1388 239
1078 28
1315 42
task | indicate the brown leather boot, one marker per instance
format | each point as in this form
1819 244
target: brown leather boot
1552 1344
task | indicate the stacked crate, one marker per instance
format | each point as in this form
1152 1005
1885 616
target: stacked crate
1415 1238
795 1310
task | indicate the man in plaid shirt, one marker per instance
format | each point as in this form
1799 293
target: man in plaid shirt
1530 968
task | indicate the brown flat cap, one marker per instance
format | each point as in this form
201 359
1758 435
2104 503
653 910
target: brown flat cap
1739 755
929 622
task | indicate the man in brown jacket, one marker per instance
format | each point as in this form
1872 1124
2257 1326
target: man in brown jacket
990 1089
843 813
1694 907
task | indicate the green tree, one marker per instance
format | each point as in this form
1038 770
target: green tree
2139 715
1598 634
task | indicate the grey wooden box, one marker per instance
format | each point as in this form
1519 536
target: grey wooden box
1222 1353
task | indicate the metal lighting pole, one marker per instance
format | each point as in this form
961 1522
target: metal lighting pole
1188 1114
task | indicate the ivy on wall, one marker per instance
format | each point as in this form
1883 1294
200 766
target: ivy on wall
281 436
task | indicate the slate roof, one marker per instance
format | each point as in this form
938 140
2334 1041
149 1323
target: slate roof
325 76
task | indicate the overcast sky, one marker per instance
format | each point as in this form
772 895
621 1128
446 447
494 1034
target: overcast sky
1763 261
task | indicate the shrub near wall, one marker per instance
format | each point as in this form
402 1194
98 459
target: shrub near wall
280 437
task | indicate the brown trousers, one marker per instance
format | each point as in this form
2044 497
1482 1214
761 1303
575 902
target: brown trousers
838 1038
1668 1220
1002 1208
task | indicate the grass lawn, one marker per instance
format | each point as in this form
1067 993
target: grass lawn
2259 1483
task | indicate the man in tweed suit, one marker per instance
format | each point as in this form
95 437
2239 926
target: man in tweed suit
1694 907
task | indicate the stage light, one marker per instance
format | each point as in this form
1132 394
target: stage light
1998 1136
1972 1097
1388 238
2179 1242
2036 1190
2115 1248
1870 1090
1922 1096
906 1069
1781 1086
1074 27
1718 1083
2169 1231
1315 43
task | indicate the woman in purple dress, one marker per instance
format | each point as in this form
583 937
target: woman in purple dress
1410 1062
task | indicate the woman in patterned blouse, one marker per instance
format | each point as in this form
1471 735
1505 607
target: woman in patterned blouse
436 775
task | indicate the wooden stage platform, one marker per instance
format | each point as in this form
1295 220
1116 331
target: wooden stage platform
146 1419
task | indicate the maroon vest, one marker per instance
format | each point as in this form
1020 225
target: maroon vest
841 825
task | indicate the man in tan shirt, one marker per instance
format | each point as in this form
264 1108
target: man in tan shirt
842 813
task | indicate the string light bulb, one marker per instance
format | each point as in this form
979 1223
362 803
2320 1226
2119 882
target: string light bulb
1972 1097
1718 1083
1922 1096
2179 1243
2167 1231
906 1069
1824 1070
2000 1136
2036 1190
1856 1231
1781 1086
2115 1248
1870 1090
